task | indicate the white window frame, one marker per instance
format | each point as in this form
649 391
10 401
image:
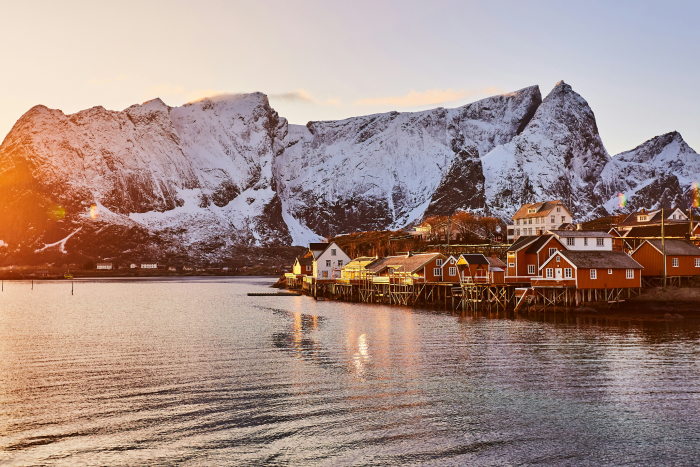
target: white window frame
549 273
697 262
511 265
585 241
568 273
609 271
332 251
629 274
325 274
437 272
594 274
438 262
599 242
340 263
309 268
531 269
570 241
674 262
552 251
328 263
453 271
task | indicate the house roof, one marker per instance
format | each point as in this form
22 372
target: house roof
317 246
581 233
539 243
650 231
475 259
406 263
541 209
654 217
305 261
675 247
522 242
495 262
362 261
600 259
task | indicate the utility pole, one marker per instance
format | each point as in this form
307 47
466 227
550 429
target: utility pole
448 234
663 246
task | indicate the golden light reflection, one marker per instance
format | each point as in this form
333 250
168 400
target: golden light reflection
361 357
94 211
57 212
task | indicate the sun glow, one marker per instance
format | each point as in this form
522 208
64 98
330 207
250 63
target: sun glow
695 190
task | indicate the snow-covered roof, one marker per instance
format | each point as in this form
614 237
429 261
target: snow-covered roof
541 209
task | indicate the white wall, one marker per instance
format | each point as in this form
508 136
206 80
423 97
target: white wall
333 271
592 245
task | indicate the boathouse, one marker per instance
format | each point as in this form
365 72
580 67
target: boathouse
527 254
303 266
682 257
356 268
422 267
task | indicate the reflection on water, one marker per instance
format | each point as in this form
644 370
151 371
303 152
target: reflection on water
194 372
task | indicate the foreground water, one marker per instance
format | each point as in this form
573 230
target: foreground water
194 372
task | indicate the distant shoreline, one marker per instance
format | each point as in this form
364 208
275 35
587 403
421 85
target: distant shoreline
114 274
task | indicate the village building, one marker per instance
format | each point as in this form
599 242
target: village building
303 266
172 269
133 266
536 218
422 267
149 265
635 236
104 265
645 217
588 270
590 240
357 268
528 253
328 262
682 257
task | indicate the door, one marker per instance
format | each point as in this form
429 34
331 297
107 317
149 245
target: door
557 273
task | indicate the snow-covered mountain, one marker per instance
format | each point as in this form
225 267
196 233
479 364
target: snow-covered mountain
657 173
213 176
382 170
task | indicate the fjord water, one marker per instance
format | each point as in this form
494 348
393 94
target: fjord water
194 372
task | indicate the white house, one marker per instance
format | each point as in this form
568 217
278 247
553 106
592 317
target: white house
149 265
584 240
328 262
104 265
537 218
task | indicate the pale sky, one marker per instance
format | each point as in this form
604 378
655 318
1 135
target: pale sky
636 63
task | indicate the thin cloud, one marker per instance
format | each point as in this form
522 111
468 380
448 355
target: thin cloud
429 97
303 97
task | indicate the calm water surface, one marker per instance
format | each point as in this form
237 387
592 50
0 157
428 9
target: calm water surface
194 372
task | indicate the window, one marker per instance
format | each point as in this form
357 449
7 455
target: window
511 265
549 273
697 262
675 262
552 220
438 262
325 273
328 263
530 211
529 221
340 263
530 268
437 272
453 271
585 241
570 241
517 232
563 219
558 258
332 251
552 251
609 271
593 274
567 273
558 210
599 242
308 268
517 222
630 274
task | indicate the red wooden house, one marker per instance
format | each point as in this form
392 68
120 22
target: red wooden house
682 257
527 254
586 270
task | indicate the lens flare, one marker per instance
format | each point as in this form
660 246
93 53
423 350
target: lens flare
94 212
621 200
695 190
57 212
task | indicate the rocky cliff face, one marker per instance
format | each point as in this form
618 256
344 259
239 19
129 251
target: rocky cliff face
381 171
200 181
559 155
657 173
